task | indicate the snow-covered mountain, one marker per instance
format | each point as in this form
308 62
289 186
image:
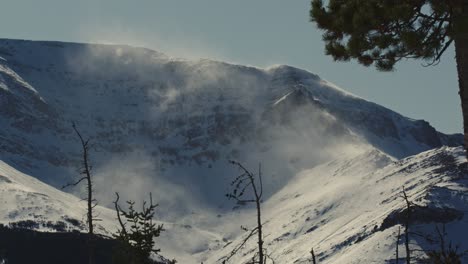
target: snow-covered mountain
334 163
349 210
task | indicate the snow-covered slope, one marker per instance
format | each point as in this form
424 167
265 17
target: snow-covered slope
168 126
31 204
25 199
349 210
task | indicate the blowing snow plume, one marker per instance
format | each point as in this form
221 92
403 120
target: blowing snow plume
187 117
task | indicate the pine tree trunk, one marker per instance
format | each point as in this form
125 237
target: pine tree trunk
461 55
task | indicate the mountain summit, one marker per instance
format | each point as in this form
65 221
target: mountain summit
180 112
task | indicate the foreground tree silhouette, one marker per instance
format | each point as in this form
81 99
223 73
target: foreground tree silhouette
397 257
382 32
85 171
312 253
409 208
246 182
446 254
136 242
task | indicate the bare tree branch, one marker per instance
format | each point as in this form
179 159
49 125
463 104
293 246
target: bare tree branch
85 170
246 180
73 184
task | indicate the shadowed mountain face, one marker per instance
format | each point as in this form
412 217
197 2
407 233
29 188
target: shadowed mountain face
179 121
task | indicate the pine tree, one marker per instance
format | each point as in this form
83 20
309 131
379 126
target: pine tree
383 32
136 234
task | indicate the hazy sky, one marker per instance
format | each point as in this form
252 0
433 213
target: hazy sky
259 33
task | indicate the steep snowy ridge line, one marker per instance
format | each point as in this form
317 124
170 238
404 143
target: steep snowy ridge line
342 218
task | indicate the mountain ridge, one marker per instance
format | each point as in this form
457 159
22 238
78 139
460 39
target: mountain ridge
182 117
159 124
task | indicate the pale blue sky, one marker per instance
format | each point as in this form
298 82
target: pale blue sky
259 33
